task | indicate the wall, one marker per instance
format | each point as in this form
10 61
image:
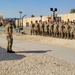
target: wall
64 17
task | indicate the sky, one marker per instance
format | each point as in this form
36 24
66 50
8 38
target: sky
11 8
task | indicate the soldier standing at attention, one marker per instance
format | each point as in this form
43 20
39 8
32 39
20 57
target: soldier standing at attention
36 27
32 28
65 30
45 28
60 29
48 28
41 28
72 31
68 30
55 29
9 36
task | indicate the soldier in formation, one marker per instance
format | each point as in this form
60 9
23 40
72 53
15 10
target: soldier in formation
59 29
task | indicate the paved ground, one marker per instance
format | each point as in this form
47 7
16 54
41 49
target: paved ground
66 54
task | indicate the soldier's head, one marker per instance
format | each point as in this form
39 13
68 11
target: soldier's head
40 21
36 21
31 21
66 23
10 22
54 22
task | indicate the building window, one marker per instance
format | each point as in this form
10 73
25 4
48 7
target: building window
27 24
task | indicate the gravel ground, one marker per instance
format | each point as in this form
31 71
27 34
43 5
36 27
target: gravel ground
33 64
21 63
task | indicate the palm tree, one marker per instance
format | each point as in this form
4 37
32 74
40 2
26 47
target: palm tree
32 16
72 11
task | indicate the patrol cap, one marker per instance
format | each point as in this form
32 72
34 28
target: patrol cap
9 20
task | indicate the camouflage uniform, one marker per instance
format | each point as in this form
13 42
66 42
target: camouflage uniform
52 29
55 30
68 30
72 30
32 27
65 30
45 28
37 28
60 29
9 32
41 27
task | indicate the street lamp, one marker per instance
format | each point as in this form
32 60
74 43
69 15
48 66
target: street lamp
22 20
54 10
20 17
41 17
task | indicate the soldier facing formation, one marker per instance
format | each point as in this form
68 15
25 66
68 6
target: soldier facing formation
9 36
59 29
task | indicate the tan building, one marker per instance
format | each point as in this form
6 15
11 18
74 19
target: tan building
1 16
64 17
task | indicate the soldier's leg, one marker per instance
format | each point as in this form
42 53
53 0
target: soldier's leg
59 34
54 33
31 31
35 32
71 35
43 32
67 35
40 32
74 35
47 32
50 32
10 44
7 37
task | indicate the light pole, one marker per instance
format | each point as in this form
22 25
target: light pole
20 17
54 10
22 20
41 17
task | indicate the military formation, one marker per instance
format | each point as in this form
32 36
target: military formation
50 28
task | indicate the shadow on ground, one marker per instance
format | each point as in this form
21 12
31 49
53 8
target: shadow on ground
9 56
37 51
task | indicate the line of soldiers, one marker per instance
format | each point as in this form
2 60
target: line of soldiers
59 29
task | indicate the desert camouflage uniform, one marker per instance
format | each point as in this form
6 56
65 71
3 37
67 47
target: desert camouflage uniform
68 30
41 27
55 29
9 36
32 27
65 30
60 29
72 30
45 28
